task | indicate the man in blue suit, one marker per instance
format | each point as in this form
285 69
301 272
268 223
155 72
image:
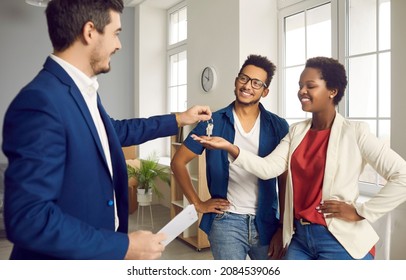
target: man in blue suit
66 183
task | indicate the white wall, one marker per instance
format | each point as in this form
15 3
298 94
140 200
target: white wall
150 73
21 59
222 34
398 41
398 134
213 40
258 35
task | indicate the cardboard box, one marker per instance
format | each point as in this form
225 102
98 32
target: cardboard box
130 154
132 199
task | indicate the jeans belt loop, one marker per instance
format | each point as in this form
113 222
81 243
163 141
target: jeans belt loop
304 222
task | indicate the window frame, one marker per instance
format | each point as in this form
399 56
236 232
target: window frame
170 11
173 49
367 189
171 52
289 8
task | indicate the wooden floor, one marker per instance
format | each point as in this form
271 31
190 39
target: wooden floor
176 250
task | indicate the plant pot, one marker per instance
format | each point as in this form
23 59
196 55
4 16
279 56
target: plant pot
144 199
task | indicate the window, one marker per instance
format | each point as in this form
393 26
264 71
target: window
311 29
178 82
177 58
357 32
367 59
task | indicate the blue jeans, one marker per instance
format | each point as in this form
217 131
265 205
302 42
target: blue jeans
315 242
234 236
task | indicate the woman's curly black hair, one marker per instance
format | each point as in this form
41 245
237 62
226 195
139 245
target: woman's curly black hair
333 72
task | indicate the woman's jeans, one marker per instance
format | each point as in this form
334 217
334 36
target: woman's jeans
234 236
315 242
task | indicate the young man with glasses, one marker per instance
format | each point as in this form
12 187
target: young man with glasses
241 218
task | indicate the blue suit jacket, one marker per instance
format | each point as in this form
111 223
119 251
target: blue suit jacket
58 189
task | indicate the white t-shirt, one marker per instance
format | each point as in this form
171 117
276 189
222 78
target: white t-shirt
242 185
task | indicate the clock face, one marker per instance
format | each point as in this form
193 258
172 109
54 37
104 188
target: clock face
207 79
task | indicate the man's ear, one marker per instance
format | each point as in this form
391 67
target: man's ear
265 92
88 32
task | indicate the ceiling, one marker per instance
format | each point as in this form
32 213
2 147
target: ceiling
163 4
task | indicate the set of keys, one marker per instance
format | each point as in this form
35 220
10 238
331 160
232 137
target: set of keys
209 128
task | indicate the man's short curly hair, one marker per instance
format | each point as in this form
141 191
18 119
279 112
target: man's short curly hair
261 62
333 72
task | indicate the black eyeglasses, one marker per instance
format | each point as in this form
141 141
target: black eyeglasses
255 83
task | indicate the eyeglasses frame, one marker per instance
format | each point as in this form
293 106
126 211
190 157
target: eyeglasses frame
264 85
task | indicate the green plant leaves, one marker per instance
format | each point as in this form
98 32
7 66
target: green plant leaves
148 173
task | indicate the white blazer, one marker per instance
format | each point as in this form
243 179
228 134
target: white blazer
351 146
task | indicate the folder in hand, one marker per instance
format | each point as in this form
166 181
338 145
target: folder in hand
179 223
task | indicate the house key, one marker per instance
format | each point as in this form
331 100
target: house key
209 128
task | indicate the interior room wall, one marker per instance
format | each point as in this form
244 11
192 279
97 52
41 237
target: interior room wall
398 135
213 40
398 62
150 72
258 34
25 45
222 34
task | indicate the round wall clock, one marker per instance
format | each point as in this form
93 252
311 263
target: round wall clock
208 78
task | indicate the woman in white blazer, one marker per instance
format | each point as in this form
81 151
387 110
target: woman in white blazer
325 156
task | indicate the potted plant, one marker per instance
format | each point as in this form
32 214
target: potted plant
146 175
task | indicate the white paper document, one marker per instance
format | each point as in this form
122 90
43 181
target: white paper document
178 224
